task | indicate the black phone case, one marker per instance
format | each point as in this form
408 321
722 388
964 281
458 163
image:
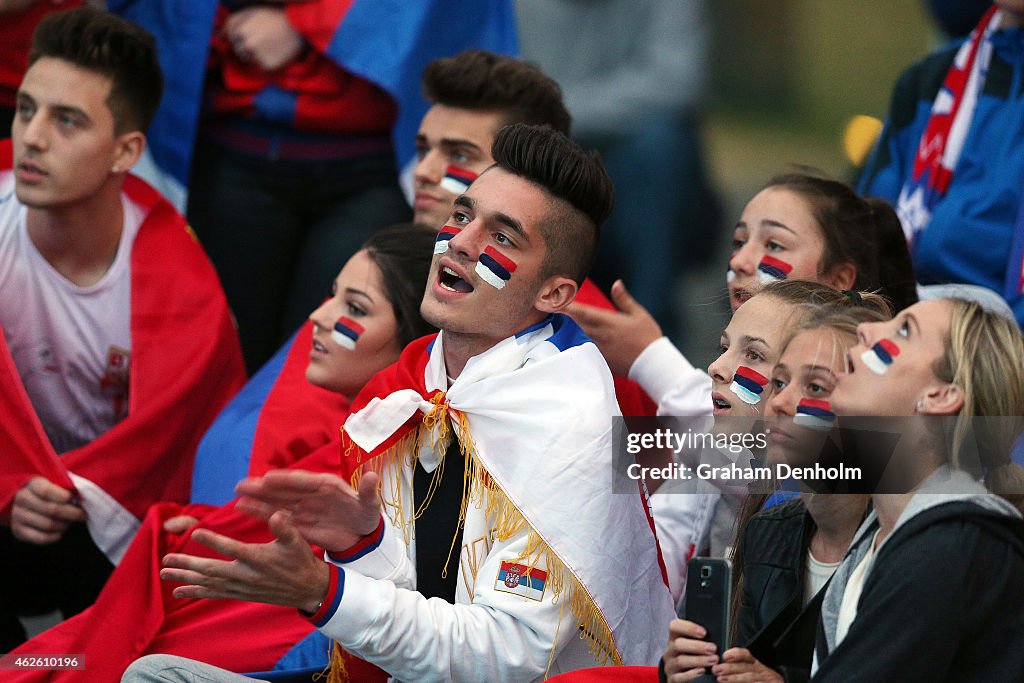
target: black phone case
708 590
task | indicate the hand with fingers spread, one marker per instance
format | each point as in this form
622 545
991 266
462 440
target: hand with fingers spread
282 572
687 655
324 508
739 666
621 335
42 512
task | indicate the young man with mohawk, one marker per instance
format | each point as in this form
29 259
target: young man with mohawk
493 437
472 95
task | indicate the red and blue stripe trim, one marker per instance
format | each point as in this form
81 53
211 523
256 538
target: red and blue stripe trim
331 601
367 545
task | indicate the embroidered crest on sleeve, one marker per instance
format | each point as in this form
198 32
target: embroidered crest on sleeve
521 580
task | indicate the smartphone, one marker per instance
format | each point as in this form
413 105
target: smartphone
708 590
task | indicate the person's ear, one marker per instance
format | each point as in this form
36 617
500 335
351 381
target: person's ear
941 399
842 276
128 149
557 293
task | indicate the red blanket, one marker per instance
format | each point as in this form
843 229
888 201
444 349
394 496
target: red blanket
185 365
135 613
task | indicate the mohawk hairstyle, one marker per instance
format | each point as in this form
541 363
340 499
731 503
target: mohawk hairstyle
550 160
125 53
479 80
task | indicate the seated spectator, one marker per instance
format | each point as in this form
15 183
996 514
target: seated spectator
775 547
950 159
531 595
929 588
297 426
473 95
277 408
784 555
799 227
118 347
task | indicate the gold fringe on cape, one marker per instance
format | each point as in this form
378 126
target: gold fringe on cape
480 489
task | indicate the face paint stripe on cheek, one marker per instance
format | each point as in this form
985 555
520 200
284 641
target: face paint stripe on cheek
748 385
815 414
495 268
346 333
880 356
457 180
443 237
772 269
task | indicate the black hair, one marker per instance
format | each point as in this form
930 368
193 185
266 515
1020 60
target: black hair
565 171
479 80
118 49
863 232
403 253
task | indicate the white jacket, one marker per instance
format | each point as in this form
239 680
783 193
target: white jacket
683 510
539 410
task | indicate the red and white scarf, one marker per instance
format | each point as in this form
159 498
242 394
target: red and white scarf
943 140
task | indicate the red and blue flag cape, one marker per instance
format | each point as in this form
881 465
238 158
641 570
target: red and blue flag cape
278 420
175 389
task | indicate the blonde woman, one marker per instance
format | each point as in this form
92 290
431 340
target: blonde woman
931 586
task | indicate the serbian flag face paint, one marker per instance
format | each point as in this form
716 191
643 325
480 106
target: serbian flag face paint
521 580
346 333
815 414
494 267
880 356
446 233
456 180
772 269
748 384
